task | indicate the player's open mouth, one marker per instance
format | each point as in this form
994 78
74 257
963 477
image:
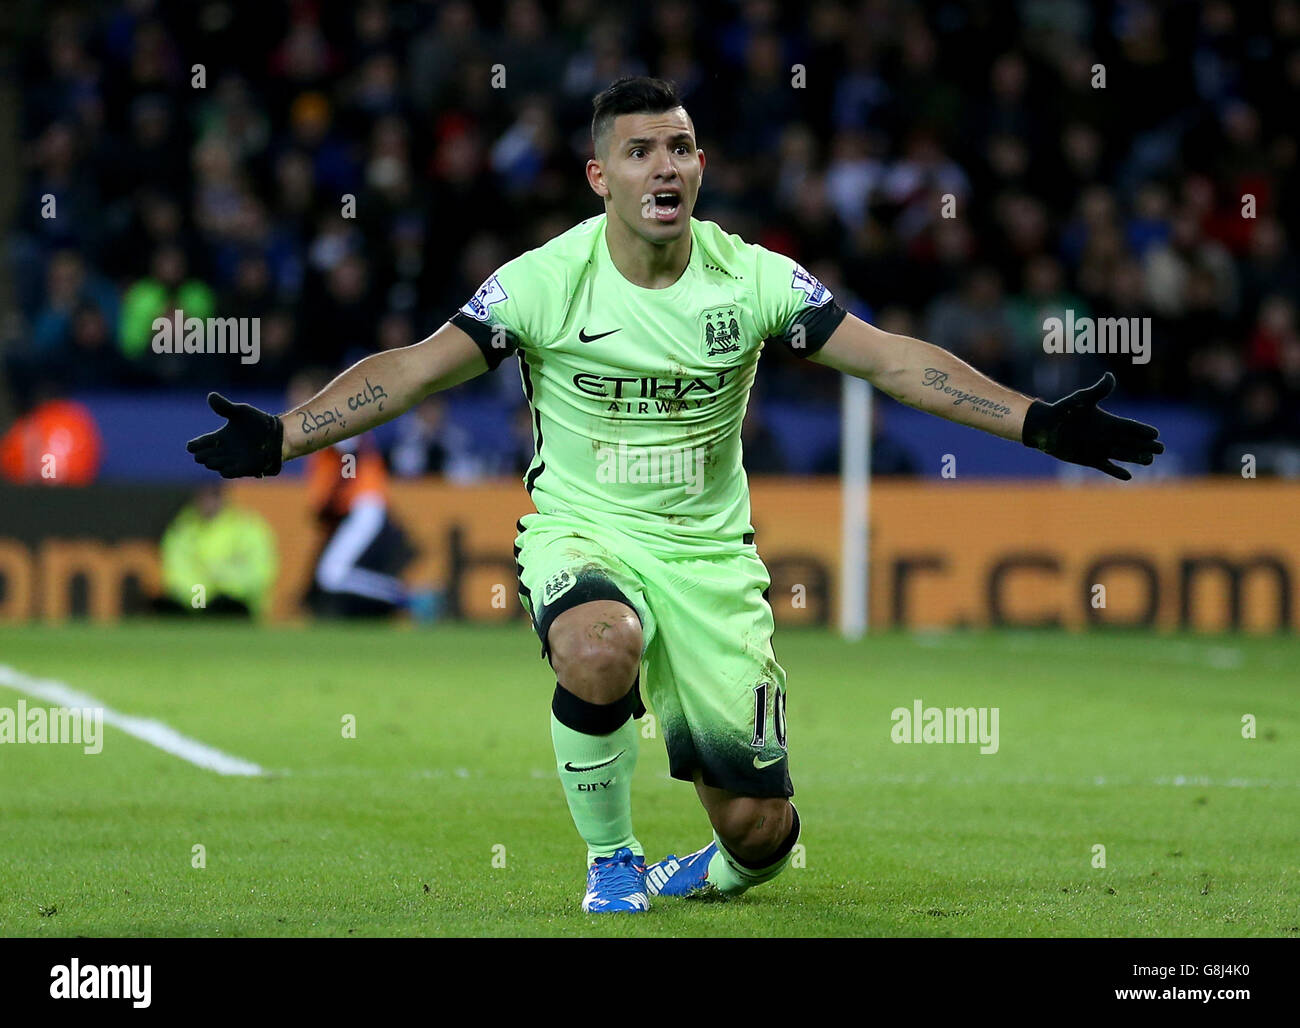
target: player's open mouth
666 205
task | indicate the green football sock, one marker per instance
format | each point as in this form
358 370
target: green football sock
732 877
596 772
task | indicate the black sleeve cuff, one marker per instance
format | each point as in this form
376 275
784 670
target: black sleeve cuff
810 329
1038 424
495 343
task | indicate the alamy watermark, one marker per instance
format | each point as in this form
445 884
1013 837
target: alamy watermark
641 465
920 723
1098 335
77 726
179 334
75 980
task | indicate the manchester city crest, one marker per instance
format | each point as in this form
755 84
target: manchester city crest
720 331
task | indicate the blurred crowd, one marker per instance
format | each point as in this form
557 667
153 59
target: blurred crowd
1120 159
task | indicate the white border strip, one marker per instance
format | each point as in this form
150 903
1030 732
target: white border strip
155 733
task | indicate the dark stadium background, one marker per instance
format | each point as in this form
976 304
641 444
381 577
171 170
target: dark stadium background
1123 201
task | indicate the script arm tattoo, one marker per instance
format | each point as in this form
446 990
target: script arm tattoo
924 376
936 379
379 388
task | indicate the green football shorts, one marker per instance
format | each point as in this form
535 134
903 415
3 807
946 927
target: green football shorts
707 666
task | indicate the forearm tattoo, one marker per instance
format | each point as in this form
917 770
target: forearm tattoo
936 379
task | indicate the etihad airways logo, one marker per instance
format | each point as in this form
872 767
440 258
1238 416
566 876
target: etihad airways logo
656 395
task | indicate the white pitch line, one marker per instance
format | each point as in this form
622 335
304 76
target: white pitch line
924 778
1220 658
155 733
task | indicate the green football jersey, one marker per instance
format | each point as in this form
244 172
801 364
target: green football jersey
637 395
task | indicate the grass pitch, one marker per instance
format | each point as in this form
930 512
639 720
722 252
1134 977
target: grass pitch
1127 741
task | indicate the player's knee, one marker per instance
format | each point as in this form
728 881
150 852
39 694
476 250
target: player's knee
752 827
596 650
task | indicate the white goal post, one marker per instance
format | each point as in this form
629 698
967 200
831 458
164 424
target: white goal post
855 495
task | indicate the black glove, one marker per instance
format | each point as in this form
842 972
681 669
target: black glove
1075 429
248 444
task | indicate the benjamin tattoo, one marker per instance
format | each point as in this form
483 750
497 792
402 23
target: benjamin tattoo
936 379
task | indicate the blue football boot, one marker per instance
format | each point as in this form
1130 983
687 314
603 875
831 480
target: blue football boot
616 885
684 876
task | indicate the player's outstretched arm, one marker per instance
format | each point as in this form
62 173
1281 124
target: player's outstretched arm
372 391
931 379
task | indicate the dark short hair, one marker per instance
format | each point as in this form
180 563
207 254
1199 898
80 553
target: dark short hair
638 94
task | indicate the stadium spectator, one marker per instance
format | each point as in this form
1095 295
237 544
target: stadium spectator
1269 267
92 359
1171 265
167 288
975 324
438 51
1259 435
58 349
149 222
363 549
429 442
217 559
1273 333
68 288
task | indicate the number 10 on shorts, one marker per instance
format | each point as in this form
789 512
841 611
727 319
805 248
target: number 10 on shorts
760 716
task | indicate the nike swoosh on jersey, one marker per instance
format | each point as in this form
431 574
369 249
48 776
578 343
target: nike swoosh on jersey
582 334
569 767
760 764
